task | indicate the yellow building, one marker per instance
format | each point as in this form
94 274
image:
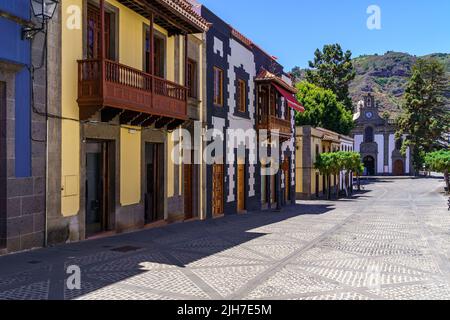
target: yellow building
310 143
112 146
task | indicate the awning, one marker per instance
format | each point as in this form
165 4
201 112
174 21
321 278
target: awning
292 102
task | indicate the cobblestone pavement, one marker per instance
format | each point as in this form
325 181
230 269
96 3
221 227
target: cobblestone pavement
390 242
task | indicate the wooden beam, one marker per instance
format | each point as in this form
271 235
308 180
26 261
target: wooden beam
162 122
107 114
149 121
152 8
140 119
128 116
175 124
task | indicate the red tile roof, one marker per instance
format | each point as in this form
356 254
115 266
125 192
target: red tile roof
186 9
265 75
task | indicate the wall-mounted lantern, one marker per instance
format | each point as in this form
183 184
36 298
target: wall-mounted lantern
43 10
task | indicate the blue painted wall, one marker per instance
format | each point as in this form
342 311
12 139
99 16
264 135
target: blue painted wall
14 49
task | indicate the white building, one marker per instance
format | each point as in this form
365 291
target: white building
374 138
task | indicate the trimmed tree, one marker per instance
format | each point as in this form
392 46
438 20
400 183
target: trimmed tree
333 163
324 165
439 161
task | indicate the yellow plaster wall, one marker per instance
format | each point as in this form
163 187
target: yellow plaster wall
130 53
315 141
299 165
130 166
72 50
131 40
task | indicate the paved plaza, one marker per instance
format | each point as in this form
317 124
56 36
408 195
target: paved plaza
391 241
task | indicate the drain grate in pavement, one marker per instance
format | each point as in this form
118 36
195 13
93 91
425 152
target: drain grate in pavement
125 249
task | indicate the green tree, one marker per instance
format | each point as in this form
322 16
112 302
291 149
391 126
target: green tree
356 166
324 165
297 74
322 109
332 163
333 69
439 161
424 119
351 163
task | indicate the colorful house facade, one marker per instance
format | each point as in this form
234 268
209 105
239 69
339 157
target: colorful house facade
113 145
311 142
247 92
22 132
92 147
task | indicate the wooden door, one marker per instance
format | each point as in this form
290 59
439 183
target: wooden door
188 198
273 194
241 187
217 196
154 175
399 169
97 188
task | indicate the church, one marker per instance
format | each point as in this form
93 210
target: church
374 137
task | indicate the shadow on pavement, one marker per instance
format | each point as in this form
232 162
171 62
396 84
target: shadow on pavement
106 261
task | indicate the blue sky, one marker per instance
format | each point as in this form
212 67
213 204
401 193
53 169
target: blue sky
292 29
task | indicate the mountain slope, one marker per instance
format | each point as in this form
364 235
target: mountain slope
386 76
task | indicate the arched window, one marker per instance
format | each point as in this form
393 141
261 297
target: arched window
368 134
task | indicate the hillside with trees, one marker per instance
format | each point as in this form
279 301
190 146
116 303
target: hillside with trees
386 76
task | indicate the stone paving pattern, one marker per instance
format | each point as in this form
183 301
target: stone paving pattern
392 241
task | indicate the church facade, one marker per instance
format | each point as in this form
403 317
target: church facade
374 137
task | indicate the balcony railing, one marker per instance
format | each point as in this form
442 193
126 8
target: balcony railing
106 83
272 123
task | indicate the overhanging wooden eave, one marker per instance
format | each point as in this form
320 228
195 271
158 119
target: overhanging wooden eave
174 21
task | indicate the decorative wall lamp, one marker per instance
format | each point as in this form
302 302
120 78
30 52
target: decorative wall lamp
43 10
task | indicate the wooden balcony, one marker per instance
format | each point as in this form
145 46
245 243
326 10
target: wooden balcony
273 123
106 84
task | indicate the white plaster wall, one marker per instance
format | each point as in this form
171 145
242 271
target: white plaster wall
218 123
359 138
391 149
240 56
218 46
379 139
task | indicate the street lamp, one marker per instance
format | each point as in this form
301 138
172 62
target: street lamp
43 10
